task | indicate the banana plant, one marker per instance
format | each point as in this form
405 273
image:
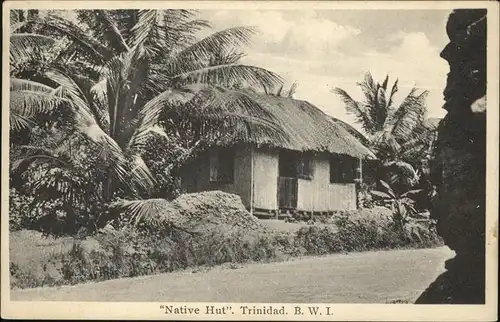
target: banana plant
401 205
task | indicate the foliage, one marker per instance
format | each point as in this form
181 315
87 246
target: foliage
133 251
162 155
404 215
122 79
365 199
62 182
20 211
398 134
30 55
319 240
281 93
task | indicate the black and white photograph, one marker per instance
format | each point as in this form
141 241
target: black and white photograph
250 160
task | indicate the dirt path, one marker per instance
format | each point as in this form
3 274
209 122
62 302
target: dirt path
371 277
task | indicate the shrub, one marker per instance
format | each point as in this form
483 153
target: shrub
365 199
20 215
361 234
319 240
132 251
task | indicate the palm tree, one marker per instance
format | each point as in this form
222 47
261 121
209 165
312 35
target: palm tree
28 96
281 93
120 70
397 134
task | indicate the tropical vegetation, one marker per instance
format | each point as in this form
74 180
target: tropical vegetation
106 105
398 134
115 81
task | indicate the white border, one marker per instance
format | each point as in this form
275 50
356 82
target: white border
343 312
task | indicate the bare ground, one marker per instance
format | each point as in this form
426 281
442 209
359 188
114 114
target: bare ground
370 277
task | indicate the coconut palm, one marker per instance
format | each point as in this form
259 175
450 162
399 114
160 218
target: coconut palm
281 93
120 70
397 134
28 97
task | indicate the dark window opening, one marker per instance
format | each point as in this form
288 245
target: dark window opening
222 165
295 165
343 170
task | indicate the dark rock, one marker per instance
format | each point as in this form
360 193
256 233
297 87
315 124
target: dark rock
459 166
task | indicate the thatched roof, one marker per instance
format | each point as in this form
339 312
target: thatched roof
352 130
307 128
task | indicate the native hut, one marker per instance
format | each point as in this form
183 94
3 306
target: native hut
315 170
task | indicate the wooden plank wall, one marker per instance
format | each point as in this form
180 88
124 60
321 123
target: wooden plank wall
197 177
265 178
319 194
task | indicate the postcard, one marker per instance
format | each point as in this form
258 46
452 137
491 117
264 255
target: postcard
250 160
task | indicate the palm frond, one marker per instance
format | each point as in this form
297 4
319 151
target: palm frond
77 35
280 90
220 100
115 74
229 75
99 90
36 155
29 99
385 83
103 24
69 186
225 57
19 84
149 211
156 83
110 152
27 46
180 31
144 28
381 108
16 17
204 49
237 127
353 107
74 93
385 144
408 116
417 147
25 106
292 90
246 129
148 115
141 174
19 121
393 92
368 87
87 123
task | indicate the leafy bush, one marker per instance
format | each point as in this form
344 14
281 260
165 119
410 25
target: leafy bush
134 251
407 222
55 183
319 240
20 215
365 199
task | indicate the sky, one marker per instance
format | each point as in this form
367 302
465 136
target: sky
324 49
